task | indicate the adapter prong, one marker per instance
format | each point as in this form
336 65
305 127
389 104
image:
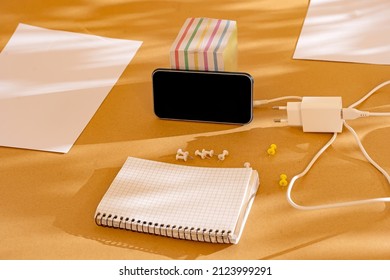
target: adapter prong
279 107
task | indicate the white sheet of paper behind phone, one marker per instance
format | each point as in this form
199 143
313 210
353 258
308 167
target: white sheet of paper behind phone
52 82
346 30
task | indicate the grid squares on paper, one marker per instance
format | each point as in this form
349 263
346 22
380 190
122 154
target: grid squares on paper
175 195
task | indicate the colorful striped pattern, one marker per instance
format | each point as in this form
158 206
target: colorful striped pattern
201 43
201 38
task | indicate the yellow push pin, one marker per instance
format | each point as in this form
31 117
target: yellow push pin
283 183
283 180
272 150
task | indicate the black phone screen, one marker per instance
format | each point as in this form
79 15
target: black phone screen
222 97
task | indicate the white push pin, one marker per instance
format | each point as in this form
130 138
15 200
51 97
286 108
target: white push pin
222 156
201 154
247 165
180 152
208 153
180 155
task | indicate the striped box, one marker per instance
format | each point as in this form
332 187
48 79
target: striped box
205 44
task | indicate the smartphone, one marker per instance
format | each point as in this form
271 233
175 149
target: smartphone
204 96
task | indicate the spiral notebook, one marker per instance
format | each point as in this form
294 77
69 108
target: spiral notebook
208 204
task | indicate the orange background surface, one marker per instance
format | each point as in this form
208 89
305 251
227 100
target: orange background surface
48 200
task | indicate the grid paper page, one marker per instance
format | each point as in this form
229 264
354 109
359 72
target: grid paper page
175 195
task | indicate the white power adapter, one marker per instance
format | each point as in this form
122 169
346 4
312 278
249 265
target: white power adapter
325 114
315 114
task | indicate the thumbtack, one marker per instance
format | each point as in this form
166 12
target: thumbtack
184 156
283 180
180 155
247 165
201 154
208 153
283 176
180 152
283 183
272 150
222 156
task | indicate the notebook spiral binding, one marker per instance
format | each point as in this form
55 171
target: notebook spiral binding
178 232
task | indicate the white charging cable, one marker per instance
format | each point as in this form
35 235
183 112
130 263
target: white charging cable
257 103
347 114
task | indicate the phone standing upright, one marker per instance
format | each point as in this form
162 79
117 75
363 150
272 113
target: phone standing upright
205 96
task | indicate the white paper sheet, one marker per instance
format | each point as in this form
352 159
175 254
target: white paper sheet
52 82
346 30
